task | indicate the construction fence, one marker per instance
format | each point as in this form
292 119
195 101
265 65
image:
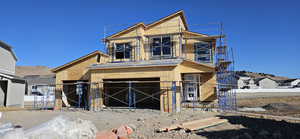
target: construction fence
167 96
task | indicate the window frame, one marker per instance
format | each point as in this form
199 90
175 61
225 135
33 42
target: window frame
161 46
197 49
124 50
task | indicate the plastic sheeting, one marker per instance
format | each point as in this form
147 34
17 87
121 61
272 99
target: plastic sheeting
60 127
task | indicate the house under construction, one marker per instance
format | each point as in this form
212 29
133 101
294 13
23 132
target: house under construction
158 65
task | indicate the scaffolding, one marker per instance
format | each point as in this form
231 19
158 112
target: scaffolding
226 81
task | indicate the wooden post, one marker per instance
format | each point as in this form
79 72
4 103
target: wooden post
58 97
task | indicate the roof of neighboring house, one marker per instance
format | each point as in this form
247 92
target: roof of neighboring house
148 63
180 13
40 79
256 80
79 59
8 48
289 80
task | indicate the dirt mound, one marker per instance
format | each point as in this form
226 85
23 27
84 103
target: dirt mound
33 70
279 107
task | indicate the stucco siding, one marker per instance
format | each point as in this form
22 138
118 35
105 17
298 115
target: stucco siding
7 62
15 95
267 83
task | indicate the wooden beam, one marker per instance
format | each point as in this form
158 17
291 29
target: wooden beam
164 34
203 124
123 38
205 38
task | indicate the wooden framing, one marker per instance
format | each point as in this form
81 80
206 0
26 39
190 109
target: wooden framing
139 36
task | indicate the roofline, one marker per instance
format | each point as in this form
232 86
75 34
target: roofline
181 12
209 66
126 67
195 33
3 44
77 60
125 30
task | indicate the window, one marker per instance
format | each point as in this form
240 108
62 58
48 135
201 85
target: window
98 58
161 46
123 51
203 52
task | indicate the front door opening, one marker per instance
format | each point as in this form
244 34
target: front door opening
191 87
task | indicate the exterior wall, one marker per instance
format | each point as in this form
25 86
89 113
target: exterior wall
207 79
7 62
267 83
77 71
208 87
173 25
164 73
3 88
15 94
252 84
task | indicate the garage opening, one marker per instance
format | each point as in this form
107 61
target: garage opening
76 92
134 92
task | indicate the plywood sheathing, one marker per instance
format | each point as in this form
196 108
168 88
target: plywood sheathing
75 70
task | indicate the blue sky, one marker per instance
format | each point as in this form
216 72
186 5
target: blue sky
265 34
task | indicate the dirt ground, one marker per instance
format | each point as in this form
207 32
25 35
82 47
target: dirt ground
293 103
145 122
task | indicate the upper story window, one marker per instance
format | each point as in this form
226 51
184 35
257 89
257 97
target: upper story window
123 51
161 46
203 52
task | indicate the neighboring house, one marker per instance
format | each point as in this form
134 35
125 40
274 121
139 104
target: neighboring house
40 84
290 82
12 87
243 82
246 82
265 83
152 52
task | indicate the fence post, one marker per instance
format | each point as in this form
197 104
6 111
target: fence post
129 94
173 96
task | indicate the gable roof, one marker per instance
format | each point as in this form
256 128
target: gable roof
180 13
256 80
79 59
289 80
8 48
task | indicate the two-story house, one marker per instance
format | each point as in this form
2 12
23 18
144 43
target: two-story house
161 56
12 87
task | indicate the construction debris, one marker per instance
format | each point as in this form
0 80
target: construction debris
205 123
195 125
254 109
57 128
120 133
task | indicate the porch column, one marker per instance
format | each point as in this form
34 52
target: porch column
96 93
166 96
